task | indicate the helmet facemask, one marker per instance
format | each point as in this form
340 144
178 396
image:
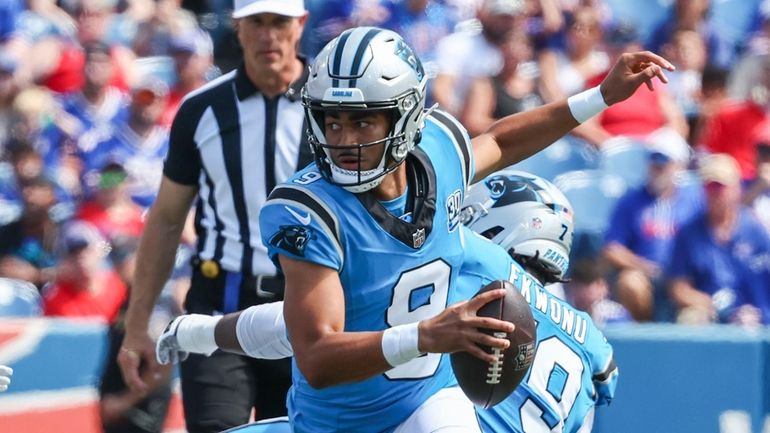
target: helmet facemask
404 111
365 69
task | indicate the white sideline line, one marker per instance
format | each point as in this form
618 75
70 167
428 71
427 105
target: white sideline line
47 400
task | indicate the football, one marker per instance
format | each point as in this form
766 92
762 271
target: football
488 384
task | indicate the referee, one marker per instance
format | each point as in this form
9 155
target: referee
231 142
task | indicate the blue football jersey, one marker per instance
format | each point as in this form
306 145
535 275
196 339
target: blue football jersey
573 369
393 272
142 158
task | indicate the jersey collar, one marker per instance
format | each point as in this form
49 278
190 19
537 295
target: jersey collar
421 201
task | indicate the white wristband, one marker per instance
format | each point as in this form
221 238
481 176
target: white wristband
400 344
586 104
195 333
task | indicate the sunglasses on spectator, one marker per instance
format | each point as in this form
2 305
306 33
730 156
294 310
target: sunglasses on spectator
145 97
714 186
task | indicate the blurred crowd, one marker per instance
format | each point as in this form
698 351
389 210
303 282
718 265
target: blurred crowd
671 188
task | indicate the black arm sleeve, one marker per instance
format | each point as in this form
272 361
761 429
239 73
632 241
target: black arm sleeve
183 162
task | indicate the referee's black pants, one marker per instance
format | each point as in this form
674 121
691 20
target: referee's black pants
219 392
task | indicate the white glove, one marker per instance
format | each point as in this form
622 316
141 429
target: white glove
5 377
188 333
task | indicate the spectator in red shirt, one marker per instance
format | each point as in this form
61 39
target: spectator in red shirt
111 208
640 116
738 127
85 285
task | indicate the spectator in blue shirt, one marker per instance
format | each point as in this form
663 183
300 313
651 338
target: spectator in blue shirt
719 267
694 15
587 290
139 144
642 228
422 23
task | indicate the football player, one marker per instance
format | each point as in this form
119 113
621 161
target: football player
532 221
369 239
573 368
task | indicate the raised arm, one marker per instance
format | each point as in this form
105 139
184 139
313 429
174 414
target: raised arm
516 137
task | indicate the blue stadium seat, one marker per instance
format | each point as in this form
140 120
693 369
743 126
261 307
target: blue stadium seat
734 18
731 19
566 154
274 425
19 299
625 158
593 194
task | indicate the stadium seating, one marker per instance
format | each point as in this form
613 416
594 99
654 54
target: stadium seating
566 154
626 159
593 194
733 18
652 14
19 299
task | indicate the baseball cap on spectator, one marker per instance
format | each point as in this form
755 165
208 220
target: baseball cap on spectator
720 168
668 147
194 41
148 89
504 7
79 235
289 8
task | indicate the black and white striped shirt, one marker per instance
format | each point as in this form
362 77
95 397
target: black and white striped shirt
236 144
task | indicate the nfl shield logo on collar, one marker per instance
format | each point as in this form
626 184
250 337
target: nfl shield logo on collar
418 238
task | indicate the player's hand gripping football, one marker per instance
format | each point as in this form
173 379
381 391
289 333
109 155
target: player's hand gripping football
630 71
457 328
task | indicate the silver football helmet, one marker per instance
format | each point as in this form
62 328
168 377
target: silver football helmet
525 214
366 68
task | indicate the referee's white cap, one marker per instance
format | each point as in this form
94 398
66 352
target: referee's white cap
291 8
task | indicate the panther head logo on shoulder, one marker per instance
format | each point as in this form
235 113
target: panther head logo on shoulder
292 239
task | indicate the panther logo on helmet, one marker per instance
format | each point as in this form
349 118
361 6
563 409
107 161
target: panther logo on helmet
509 189
526 215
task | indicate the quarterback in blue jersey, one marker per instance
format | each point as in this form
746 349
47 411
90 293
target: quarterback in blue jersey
368 237
530 219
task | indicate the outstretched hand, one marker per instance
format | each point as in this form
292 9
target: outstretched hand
630 71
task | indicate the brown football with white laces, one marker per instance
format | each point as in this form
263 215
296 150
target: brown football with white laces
488 384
